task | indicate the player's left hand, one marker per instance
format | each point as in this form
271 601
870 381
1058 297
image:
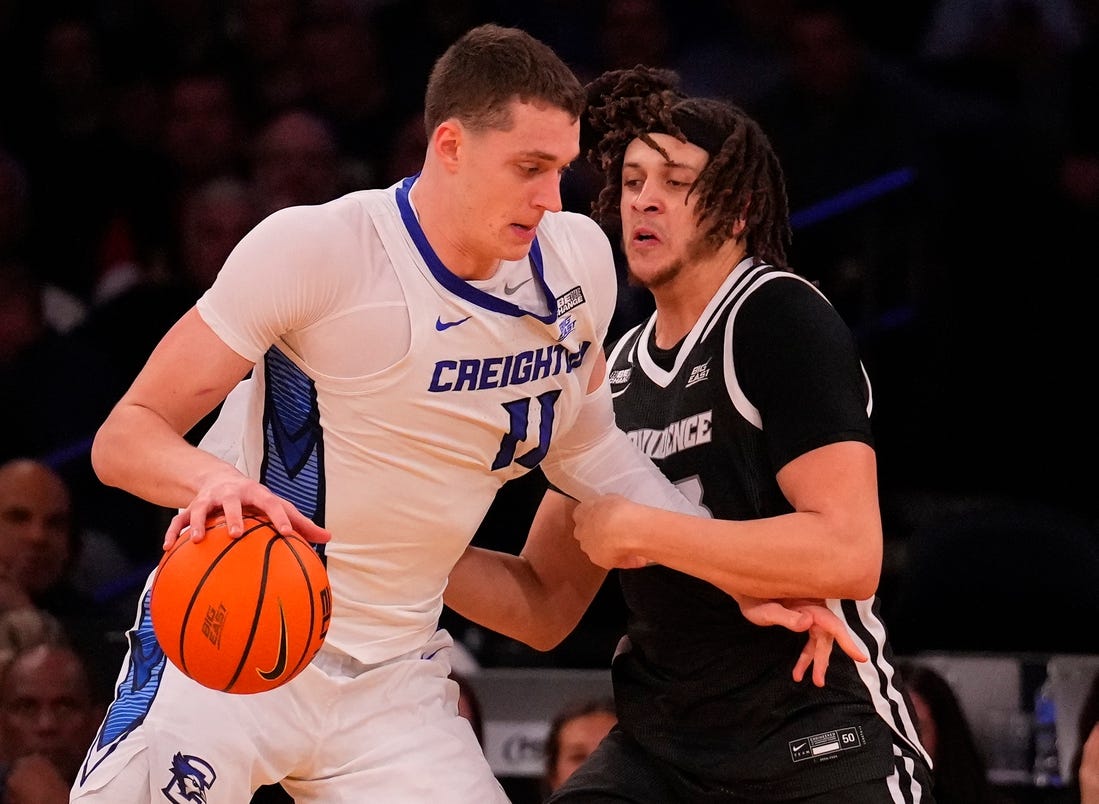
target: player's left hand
801 615
602 525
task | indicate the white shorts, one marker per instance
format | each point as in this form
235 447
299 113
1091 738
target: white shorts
340 731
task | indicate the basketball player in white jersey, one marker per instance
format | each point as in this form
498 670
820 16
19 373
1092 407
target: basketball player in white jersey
411 349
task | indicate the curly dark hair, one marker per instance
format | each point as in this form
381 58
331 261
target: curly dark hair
742 180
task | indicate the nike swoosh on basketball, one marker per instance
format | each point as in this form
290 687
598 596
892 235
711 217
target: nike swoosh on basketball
509 289
441 325
280 661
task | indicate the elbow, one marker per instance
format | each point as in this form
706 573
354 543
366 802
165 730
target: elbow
100 456
544 644
864 584
863 568
544 640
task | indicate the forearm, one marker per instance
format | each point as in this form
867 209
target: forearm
138 451
796 555
500 592
536 597
829 547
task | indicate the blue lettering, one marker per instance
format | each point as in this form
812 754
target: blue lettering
473 374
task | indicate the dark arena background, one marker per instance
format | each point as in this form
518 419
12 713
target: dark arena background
942 165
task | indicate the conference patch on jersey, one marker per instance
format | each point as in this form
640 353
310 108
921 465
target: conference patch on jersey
570 299
619 376
699 373
827 745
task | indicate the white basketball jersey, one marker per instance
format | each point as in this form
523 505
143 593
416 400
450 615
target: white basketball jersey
401 458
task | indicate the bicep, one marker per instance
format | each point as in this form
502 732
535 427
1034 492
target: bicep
187 375
838 482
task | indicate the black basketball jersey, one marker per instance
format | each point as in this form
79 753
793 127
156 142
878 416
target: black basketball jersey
769 372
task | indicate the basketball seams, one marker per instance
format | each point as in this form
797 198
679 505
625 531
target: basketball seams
185 621
260 598
305 656
219 633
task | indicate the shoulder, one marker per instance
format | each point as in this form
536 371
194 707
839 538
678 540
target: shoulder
341 215
312 234
783 301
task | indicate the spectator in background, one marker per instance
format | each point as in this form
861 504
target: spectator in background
296 160
61 309
959 771
24 626
635 32
263 39
55 389
406 149
469 705
574 733
346 82
37 539
40 547
204 133
48 714
210 220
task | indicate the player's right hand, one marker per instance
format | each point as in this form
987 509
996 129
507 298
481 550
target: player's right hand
231 492
802 615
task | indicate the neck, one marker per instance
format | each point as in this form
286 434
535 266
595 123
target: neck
443 228
681 300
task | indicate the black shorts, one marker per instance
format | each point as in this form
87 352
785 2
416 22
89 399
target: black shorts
620 772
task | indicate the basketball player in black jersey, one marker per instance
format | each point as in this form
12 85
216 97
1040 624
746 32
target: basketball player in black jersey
746 389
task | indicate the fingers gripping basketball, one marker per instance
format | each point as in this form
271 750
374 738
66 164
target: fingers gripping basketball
241 615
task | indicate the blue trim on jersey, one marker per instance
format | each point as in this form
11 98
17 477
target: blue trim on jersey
135 692
459 287
293 459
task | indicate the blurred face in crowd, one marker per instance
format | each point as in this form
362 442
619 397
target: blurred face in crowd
926 720
46 707
296 161
35 523
214 218
577 739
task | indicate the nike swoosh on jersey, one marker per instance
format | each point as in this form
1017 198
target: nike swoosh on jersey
508 289
280 660
441 325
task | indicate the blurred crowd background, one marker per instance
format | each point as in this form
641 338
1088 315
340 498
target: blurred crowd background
942 162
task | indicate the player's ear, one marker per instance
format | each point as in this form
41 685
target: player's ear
446 142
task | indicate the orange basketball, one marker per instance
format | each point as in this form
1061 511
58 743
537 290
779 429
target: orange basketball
241 615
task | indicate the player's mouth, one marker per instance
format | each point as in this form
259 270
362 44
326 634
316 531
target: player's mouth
644 237
525 232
